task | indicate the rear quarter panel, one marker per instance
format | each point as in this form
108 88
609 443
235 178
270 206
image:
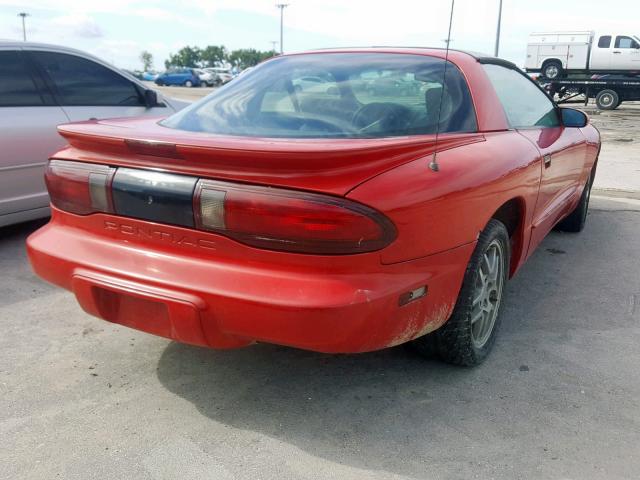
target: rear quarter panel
438 211
592 135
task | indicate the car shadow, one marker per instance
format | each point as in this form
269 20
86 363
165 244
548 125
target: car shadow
359 408
13 258
393 410
20 230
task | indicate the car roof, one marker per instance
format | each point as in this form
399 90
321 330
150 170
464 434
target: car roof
429 51
45 46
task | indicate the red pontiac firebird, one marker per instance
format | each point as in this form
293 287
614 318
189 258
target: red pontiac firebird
337 201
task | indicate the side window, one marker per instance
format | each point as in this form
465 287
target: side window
605 41
17 88
524 103
626 42
79 81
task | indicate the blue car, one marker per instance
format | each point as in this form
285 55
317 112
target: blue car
186 77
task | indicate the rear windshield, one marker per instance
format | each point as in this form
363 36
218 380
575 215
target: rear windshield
336 95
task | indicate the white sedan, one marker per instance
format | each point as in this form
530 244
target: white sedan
42 86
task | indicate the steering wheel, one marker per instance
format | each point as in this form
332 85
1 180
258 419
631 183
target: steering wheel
381 116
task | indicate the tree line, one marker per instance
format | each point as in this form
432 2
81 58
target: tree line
210 56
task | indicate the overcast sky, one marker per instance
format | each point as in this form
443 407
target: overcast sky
118 30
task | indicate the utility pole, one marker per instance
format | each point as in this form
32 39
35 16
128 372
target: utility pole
24 29
273 45
497 50
281 6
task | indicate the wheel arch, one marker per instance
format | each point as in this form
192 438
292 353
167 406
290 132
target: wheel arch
512 214
547 61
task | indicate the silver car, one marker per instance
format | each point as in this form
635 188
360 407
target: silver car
207 77
42 86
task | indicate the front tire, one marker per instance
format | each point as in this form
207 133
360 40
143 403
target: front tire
188 84
468 336
575 221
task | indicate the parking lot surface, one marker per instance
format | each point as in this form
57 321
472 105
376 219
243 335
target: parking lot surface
182 93
559 397
619 171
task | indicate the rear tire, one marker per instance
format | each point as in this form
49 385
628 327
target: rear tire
575 221
552 70
468 336
188 84
608 100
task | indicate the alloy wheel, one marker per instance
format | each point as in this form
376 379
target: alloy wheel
552 71
487 294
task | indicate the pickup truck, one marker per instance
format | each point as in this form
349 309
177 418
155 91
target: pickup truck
555 54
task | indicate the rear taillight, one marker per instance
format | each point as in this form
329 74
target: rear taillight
80 188
262 217
279 219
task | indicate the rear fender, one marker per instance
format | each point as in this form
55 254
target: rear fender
438 211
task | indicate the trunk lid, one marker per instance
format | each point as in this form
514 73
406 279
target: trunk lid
333 166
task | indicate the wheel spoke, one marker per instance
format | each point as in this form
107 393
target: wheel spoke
482 277
486 260
478 298
495 268
493 265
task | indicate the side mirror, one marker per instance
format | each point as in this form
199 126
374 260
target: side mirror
573 118
150 98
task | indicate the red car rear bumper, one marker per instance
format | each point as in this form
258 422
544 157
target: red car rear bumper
222 304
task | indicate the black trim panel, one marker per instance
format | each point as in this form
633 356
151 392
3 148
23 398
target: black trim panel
498 61
156 196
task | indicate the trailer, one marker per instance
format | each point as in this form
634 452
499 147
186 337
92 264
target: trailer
608 93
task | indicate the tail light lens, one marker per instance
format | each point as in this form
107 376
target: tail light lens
262 217
80 188
287 220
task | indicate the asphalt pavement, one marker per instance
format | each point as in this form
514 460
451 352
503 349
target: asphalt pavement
559 397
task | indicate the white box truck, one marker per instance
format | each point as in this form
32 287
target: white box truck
555 54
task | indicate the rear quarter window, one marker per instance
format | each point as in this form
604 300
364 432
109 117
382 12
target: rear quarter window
605 41
82 82
525 105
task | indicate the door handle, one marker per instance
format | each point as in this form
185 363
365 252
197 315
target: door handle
617 52
547 160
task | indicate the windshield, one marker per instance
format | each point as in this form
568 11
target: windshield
336 95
